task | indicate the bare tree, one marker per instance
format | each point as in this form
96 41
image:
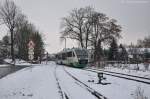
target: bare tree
75 25
104 31
87 28
90 28
9 14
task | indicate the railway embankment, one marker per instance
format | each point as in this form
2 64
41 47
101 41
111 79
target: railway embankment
8 69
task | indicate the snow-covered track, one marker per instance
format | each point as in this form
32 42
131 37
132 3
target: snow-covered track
89 89
121 75
62 93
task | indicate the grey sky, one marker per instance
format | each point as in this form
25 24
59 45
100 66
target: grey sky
132 15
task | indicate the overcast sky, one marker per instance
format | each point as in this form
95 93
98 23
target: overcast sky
132 15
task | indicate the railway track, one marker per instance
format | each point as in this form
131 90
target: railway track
83 85
61 92
121 75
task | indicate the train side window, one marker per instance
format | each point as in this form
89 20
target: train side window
67 54
63 56
60 57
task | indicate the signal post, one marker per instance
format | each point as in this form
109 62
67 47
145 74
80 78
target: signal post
31 46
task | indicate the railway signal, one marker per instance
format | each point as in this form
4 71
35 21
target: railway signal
100 77
31 50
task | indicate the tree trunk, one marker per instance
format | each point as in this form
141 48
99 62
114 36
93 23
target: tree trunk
86 42
12 45
95 52
81 39
81 42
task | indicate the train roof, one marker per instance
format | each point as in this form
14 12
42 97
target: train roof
71 49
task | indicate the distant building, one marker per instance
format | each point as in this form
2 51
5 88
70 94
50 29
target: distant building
138 54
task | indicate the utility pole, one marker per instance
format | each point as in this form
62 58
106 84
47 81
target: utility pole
65 40
65 43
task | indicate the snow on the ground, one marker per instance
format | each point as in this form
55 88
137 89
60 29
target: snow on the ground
118 89
35 82
39 82
4 65
17 62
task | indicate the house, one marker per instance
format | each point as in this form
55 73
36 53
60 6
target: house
138 54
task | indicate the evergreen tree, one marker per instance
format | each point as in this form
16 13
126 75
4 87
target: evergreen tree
146 54
6 43
22 38
98 53
123 55
113 50
39 45
106 52
26 33
6 40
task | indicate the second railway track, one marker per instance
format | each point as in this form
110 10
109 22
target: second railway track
122 75
61 92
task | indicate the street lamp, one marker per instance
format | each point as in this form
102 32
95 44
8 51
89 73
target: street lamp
65 41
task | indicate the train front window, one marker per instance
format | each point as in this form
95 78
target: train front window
81 53
69 54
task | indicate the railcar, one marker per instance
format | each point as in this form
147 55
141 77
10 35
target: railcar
75 57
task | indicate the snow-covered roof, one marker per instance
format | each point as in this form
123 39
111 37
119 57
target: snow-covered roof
137 50
70 49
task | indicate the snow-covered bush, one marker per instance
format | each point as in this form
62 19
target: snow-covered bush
139 94
133 67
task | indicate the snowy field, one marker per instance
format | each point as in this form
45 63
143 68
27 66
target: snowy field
39 82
